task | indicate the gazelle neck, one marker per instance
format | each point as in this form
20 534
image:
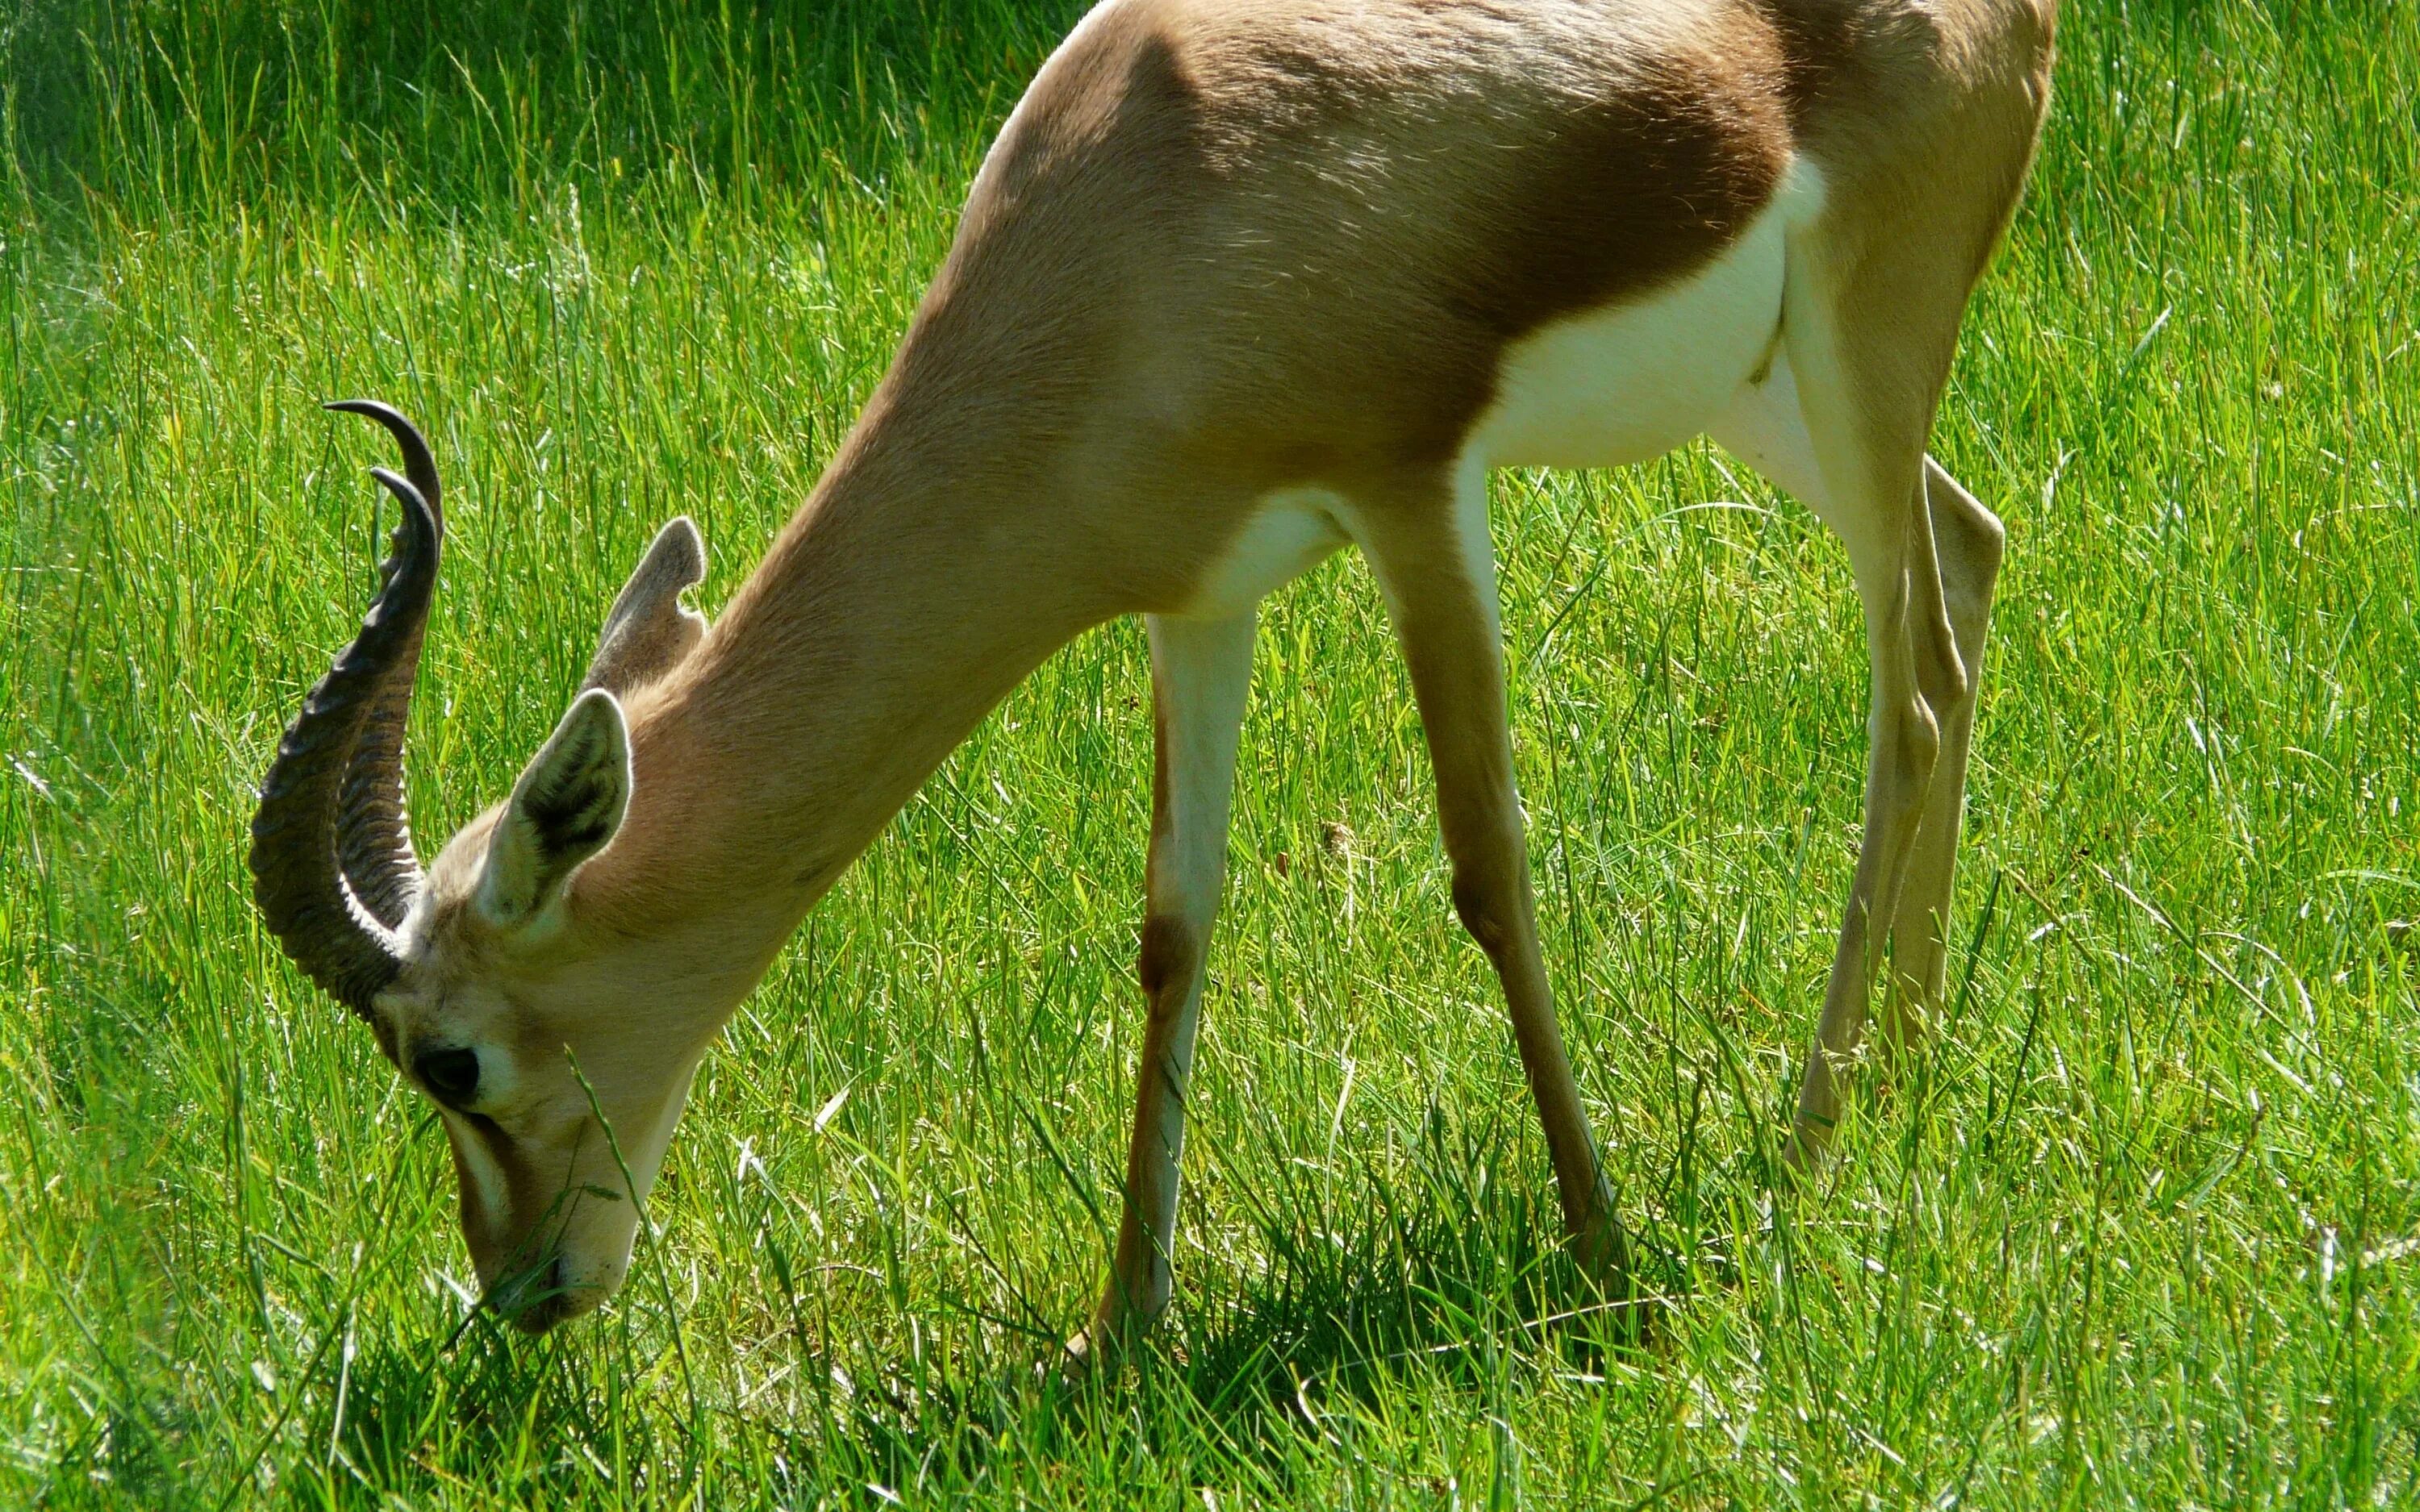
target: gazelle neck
913 591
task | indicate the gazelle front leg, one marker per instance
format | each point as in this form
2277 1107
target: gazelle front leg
1436 568
1201 670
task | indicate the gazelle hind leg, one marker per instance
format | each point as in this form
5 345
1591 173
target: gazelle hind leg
1903 741
1966 539
1201 670
1434 565
1826 426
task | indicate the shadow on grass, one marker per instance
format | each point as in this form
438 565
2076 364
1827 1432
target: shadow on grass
1454 1269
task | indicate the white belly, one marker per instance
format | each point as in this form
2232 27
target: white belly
1633 381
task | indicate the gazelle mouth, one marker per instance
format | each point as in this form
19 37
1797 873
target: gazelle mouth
536 1299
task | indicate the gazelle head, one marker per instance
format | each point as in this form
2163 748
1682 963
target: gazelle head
493 980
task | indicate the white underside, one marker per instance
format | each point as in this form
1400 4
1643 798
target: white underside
1603 389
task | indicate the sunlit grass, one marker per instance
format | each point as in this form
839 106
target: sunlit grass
2142 1229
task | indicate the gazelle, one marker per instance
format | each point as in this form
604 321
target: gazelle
1239 285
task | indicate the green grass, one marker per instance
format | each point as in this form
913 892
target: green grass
2140 1230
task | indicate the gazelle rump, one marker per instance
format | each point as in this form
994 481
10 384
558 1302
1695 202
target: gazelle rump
1240 283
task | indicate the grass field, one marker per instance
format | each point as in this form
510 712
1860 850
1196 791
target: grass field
2144 1229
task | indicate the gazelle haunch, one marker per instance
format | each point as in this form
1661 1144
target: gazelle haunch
1239 285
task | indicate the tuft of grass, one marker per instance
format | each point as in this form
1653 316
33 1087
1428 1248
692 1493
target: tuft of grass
2141 1228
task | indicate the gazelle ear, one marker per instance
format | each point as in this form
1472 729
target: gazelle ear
566 807
649 630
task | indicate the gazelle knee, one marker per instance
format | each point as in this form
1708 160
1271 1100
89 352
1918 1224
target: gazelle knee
1482 908
1169 959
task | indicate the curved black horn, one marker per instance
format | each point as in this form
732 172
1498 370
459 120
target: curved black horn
333 865
373 834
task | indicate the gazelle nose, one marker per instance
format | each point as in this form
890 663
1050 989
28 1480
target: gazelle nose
536 1301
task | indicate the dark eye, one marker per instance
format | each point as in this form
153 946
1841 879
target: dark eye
453 1075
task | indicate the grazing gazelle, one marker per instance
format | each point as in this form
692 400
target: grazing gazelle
1242 281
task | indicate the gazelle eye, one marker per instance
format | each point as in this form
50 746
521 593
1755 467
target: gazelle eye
452 1074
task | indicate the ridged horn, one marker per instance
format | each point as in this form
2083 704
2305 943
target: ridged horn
332 867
